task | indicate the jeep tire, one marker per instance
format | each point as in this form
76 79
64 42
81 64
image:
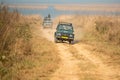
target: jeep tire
70 41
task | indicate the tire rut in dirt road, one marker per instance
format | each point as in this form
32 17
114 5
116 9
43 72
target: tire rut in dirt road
68 67
100 70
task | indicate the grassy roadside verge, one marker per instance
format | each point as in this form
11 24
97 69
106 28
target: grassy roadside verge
24 56
44 59
104 37
15 36
47 58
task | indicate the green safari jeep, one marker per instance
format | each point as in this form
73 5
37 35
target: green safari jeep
64 32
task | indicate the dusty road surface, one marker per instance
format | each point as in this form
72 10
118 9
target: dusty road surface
77 62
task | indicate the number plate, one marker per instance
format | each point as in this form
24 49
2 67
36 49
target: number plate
64 37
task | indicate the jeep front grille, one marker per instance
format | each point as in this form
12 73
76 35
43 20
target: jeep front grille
65 34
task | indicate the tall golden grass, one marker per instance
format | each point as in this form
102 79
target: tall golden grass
22 53
102 27
103 33
108 29
14 40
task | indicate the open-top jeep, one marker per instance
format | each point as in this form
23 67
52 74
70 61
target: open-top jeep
47 22
64 32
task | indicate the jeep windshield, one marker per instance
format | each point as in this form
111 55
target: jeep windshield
65 27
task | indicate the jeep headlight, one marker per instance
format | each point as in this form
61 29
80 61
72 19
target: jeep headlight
58 34
71 35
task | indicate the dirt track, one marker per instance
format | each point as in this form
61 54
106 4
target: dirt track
86 67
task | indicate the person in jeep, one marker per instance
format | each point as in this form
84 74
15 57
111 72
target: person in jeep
64 32
47 22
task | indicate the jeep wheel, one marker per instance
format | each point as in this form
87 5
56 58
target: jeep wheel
70 42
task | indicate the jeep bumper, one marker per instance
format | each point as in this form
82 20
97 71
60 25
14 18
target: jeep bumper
66 38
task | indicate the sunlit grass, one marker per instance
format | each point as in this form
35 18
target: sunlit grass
24 56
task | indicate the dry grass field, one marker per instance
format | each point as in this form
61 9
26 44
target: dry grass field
28 52
24 55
